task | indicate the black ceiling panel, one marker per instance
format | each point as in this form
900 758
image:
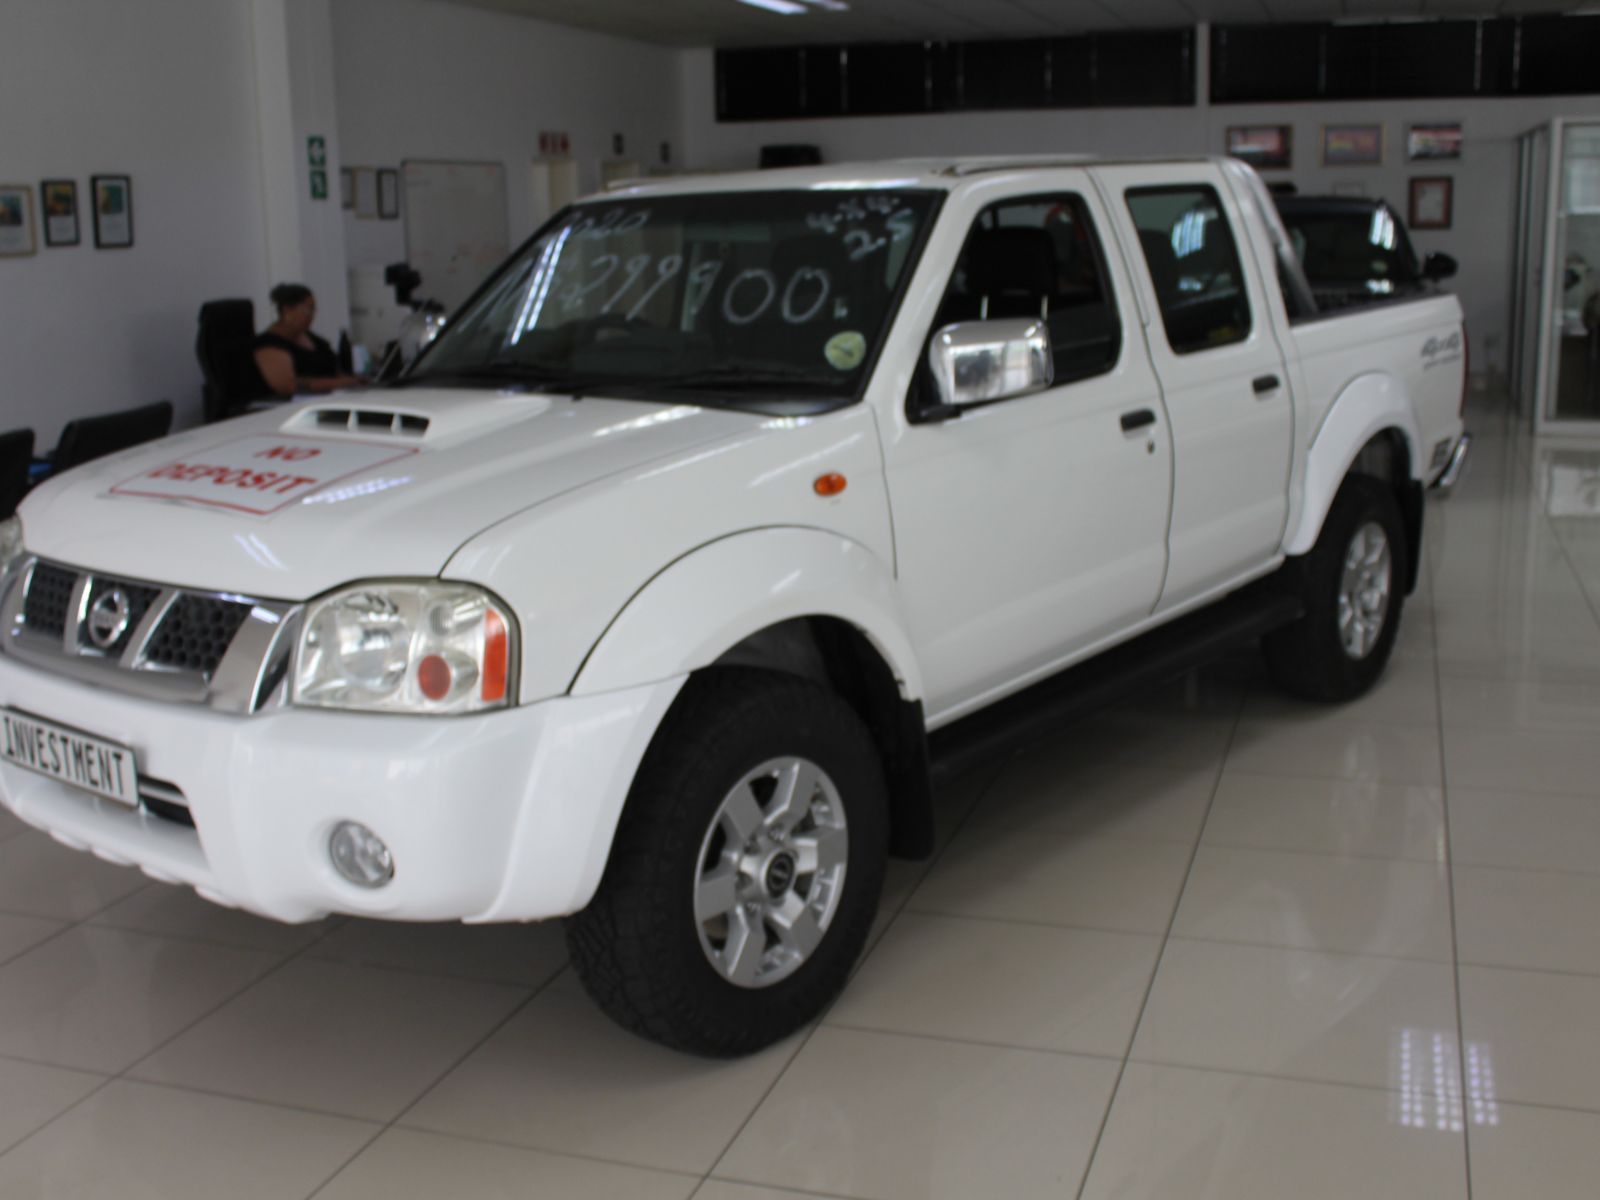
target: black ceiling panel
1132 69
1251 63
1558 56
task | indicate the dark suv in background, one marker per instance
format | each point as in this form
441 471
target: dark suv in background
1355 250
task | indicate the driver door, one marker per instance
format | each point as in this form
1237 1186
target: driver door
1029 529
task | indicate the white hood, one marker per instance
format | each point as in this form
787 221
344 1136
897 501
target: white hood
289 503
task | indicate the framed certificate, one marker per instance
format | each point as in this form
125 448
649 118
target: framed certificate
1264 147
388 194
1431 198
112 196
16 220
58 199
1433 143
1352 145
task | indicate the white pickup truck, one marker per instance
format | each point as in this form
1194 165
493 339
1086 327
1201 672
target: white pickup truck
641 598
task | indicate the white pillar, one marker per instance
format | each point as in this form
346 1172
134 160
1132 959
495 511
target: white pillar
294 103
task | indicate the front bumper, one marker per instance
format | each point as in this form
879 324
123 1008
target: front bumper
497 817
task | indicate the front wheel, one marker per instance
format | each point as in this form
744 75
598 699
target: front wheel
746 870
1352 580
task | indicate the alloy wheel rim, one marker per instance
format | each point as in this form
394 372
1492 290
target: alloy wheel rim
1365 586
771 872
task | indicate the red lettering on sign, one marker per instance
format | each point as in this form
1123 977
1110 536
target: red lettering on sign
237 478
241 477
290 453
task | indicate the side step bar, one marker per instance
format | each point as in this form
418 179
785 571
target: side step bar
1124 670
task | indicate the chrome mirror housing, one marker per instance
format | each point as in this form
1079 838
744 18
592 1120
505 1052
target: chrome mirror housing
975 362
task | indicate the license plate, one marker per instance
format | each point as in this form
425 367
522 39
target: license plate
90 763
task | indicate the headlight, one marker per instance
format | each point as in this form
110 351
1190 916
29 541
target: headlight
10 546
406 647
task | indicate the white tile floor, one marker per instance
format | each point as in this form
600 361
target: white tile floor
1213 944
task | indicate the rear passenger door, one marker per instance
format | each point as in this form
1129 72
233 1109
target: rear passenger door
1222 372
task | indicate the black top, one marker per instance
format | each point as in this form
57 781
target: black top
318 362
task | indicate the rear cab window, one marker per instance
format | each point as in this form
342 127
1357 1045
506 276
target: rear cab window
1193 261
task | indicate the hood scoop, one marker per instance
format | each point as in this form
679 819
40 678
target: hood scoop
427 421
363 420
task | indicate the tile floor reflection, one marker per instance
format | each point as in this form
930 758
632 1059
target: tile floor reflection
1216 944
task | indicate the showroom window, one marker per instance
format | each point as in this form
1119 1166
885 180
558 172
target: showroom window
1193 264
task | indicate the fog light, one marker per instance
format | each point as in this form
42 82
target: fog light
359 855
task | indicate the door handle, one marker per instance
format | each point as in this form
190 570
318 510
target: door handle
1266 383
1137 419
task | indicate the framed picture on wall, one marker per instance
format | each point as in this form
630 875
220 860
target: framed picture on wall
58 200
1431 198
1352 145
16 220
364 183
1265 147
388 194
112 197
1439 142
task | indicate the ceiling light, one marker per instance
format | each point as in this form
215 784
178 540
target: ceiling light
787 7
790 8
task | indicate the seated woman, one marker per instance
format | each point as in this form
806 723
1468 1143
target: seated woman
290 357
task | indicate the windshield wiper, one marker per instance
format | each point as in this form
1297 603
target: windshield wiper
494 371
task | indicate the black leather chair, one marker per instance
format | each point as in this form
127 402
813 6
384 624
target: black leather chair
225 347
16 456
93 437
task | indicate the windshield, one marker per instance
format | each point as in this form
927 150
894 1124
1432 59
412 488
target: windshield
745 297
1362 249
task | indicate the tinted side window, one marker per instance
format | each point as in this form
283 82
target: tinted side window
1040 257
1194 265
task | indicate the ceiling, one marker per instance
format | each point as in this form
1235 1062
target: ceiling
729 23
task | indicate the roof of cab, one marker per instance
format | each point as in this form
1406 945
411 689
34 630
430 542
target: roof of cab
939 173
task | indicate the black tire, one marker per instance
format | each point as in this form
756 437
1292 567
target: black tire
1309 658
638 946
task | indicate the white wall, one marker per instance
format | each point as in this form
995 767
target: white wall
424 80
295 101
1485 176
161 93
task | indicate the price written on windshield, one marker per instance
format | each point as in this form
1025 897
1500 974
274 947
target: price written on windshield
626 284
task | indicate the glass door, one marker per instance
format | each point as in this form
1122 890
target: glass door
1571 387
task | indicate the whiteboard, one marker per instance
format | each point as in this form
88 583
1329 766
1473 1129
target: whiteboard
457 230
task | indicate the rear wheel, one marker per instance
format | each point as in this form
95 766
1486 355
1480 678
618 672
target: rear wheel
746 870
1352 580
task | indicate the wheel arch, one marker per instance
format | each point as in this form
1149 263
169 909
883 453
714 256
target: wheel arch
1370 430
803 602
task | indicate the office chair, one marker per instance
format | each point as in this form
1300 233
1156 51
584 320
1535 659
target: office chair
94 437
16 454
225 348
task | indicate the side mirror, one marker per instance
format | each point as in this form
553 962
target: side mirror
1438 266
975 362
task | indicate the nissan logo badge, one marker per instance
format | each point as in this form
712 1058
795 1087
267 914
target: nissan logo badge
108 618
